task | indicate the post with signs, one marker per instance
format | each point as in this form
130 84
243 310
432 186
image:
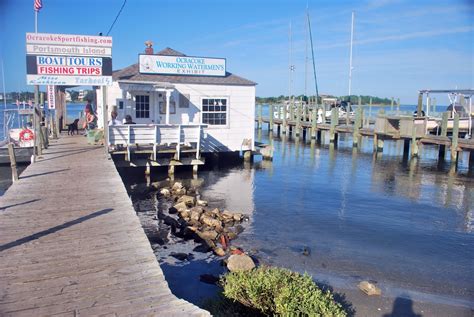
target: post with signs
68 60
51 89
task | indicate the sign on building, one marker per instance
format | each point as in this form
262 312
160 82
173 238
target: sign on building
181 65
66 59
51 97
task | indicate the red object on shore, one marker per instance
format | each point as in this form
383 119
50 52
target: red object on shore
224 241
237 251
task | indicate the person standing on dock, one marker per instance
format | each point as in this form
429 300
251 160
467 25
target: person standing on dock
90 122
114 120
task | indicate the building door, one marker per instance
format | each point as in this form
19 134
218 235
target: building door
142 109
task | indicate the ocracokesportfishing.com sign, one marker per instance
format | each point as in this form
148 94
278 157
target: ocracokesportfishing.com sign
66 59
182 65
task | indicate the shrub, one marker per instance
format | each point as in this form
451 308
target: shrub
276 291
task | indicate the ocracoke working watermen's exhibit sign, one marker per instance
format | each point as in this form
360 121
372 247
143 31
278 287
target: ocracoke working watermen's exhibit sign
181 65
66 59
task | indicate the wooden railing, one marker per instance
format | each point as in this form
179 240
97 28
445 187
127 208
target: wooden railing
156 135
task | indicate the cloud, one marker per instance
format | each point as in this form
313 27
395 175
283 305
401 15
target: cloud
401 37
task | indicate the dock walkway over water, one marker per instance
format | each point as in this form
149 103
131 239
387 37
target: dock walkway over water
71 243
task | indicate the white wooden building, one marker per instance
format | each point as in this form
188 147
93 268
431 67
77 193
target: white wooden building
221 108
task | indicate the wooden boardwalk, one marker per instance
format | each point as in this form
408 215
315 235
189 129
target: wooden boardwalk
71 243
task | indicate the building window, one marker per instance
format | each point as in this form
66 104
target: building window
214 111
120 104
142 106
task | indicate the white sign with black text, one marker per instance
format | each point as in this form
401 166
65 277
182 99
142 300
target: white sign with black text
182 65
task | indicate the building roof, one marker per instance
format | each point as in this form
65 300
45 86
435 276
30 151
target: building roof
131 73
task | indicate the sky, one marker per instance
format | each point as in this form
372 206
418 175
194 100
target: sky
400 46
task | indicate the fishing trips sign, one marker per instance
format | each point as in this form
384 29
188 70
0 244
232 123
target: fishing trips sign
66 59
181 65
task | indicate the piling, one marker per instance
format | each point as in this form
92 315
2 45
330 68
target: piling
391 105
314 120
171 170
444 124
195 169
406 148
334 121
419 107
398 105
11 154
270 120
370 112
357 126
298 120
285 123
414 143
454 140
260 118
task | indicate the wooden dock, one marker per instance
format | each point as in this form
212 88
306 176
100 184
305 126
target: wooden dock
71 243
301 120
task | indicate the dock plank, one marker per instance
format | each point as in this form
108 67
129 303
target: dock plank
71 243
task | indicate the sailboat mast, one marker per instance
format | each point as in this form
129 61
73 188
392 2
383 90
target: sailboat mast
350 56
306 60
290 66
312 54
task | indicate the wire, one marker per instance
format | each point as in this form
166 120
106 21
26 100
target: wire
116 18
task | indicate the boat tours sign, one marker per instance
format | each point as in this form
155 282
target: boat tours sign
181 65
65 59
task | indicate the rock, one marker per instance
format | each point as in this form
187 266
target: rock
239 229
202 203
177 186
211 222
188 200
306 251
231 235
238 217
180 206
184 213
236 251
203 248
369 288
181 256
219 251
172 210
227 214
209 279
165 192
215 212
195 215
207 235
180 192
240 262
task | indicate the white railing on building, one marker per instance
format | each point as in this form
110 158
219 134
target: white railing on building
156 135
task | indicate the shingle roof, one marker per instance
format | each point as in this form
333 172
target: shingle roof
131 73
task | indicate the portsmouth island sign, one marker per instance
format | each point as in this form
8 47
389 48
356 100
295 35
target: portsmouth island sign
66 59
181 65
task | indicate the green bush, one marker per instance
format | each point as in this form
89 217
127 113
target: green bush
276 291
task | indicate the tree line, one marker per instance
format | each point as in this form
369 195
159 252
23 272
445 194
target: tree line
352 98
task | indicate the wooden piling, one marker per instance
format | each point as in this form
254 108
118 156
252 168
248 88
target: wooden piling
195 169
471 160
444 124
414 143
260 117
298 120
11 154
419 107
391 105
270 120
406 148
285 123
357 126
314 120
334 122
370 112
454 140
398 105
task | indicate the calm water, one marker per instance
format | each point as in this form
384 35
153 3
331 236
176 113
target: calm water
406 224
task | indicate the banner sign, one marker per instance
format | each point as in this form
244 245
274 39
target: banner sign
181 65
51 97
65 59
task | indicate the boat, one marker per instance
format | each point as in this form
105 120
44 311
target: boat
460 104
22 137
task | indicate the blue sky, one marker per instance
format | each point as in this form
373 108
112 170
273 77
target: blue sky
400 46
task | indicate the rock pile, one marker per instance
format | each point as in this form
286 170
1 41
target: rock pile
214 228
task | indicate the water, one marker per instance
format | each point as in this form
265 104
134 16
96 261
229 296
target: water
406 224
